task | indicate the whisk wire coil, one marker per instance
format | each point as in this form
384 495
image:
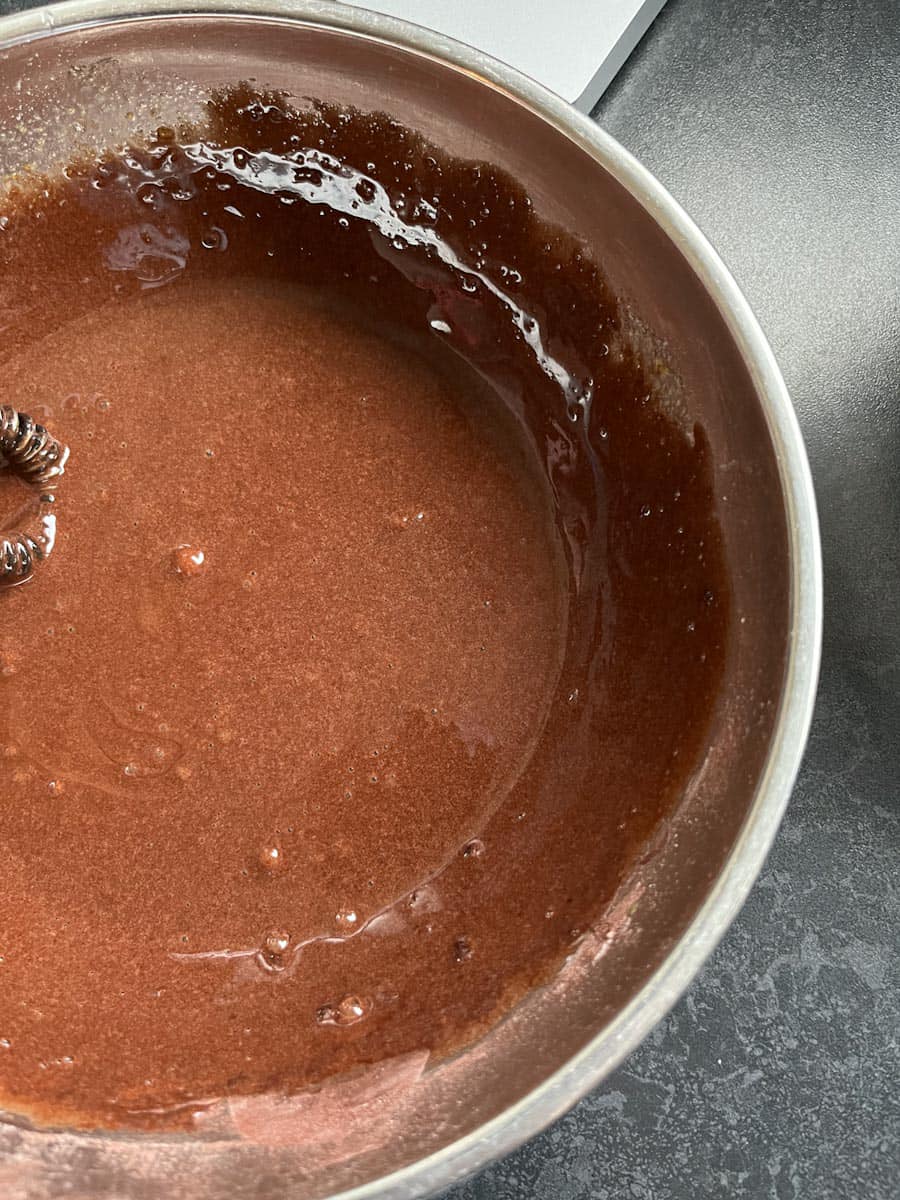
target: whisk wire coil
34 455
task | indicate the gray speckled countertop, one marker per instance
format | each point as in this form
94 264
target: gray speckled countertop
777 124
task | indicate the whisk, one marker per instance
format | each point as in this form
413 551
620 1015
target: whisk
32 454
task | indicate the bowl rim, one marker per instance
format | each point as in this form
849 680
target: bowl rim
586 1069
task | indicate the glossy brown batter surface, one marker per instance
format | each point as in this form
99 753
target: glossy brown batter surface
384 624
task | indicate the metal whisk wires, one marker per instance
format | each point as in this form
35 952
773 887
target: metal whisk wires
32 454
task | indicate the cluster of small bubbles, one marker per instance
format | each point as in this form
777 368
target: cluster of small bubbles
473 849
405 520
550 914
573 696
691 626
462 950
708 597
102 174
582 393
257 110
347 1011
346 919
271 858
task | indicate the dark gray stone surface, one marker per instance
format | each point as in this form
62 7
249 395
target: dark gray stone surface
777 125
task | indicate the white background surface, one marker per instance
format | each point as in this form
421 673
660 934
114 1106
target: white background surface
574 47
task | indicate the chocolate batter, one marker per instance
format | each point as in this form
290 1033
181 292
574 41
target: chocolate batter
383 627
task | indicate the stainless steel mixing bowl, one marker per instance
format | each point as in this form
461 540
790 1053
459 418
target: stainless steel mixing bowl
96 72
